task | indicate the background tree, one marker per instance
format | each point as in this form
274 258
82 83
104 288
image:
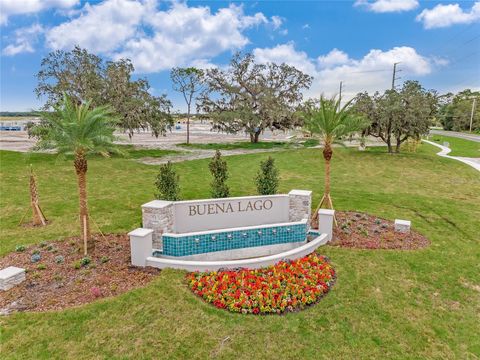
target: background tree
81 76
397 116
188 81
330 123
252 97
218 168
455 111
267 177
167 183
79 130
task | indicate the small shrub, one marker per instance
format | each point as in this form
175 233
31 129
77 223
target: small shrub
36 251
364 232
59 259
267 177
167 183
378 221
85 261
344 226
384 226
104 259
36 257
20 248
77 264
43 244
218 168
50 247
41 267
58 277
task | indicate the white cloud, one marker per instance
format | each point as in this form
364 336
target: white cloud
370 73
384 6
447 15
156 39
25 39
333 58
17 7
276 22
100 28
285 53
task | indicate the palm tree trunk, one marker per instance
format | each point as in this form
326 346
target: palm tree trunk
81 170
327 155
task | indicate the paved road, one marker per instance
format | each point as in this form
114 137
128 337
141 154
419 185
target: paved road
460 135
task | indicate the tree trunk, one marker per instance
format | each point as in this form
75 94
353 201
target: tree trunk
327 155
397 147
81 170
188 125
389 144
254 136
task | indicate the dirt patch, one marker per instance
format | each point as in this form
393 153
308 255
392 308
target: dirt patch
363 231
62 277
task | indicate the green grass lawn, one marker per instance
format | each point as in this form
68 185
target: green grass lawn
249 146
460 147
385 304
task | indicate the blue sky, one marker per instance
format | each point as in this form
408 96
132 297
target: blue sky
357 42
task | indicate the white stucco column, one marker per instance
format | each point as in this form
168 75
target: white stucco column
325 222
140 245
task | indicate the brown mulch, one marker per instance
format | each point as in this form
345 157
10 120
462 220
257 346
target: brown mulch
363 231
52 284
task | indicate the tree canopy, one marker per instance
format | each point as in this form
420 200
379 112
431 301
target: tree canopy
396 116
252 97
83 76
455 111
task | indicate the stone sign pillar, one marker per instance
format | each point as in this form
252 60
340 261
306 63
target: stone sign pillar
300 205
158 215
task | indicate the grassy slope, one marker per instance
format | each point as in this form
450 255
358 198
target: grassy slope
386 304
460 147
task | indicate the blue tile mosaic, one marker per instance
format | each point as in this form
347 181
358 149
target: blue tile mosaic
229 240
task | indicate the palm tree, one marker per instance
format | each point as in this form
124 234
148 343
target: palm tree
79 130
330 122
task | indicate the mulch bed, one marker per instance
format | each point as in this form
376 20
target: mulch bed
363 231
60 279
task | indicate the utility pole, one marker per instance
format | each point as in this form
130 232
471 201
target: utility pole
340 94
473 111
394 74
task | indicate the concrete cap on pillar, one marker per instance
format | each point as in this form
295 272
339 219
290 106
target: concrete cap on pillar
326 212
140 232
300 192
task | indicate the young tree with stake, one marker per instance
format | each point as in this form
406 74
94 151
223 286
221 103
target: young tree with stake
330 122
79 130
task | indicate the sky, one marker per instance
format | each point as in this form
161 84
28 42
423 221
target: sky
356 42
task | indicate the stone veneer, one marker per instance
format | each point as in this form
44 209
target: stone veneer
300 205
158 215
159 218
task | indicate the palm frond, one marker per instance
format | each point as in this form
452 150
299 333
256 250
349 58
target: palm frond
78 127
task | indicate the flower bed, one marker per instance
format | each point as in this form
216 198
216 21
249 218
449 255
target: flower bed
284 287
